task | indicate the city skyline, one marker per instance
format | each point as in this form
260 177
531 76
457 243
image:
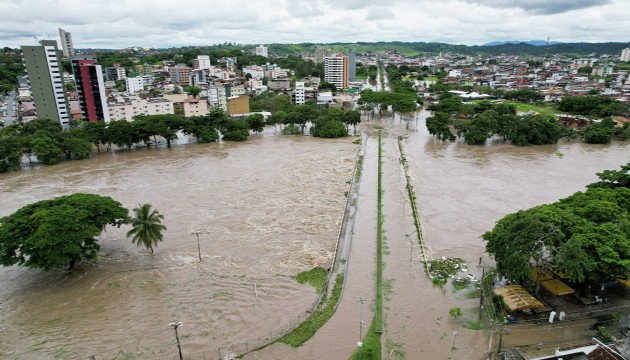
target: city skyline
165 23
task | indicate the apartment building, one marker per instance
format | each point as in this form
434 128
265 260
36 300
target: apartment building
299 93
195 107
261 50
47 85
179 74
88 77
134 84
127 108
115 72
201 62
336 70
257 72
66 43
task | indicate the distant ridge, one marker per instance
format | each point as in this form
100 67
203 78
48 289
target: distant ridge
529 42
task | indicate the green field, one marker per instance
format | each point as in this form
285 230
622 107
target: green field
542 109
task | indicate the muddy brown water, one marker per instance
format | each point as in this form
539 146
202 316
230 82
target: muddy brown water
267 209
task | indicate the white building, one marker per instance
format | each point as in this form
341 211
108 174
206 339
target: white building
133 106
298 95
261 50
257 72
278 73
216 97
134 84
325 98
625 55
195 107
203 62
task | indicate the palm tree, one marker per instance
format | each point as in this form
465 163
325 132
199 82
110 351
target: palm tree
147 226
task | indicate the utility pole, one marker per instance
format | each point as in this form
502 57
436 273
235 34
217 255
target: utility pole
175 326
455 334
483 275
360 343
198 246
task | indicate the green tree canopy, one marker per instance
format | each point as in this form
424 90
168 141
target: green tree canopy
146 226
438 126
58 232
585 236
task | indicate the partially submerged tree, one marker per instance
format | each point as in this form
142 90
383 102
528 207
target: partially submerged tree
58 232
585 236
147 227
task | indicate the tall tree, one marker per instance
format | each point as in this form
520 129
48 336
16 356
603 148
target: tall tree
58 232
438 126
146 226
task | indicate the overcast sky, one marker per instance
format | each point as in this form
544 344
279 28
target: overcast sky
169 23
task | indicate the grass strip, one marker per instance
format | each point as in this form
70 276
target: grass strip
318 318
315 277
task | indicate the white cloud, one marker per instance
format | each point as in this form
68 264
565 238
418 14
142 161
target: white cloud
170 23
380 13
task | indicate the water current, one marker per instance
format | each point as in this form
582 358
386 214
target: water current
265 210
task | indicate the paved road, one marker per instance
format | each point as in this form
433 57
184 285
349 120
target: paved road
9 109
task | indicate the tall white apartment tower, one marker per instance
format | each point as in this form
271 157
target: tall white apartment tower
625 55
66 43
261 50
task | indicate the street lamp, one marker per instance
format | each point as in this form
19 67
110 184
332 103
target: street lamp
360 343
198 246
455 334
175 326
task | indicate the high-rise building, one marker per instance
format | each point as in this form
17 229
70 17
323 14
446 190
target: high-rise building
88 77
319 55
66 43
46 81
202 62
352 66
336 70
625 55
261 50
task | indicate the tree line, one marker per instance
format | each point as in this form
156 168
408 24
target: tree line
475 123
61 232
401 102
326 122
45 139
585 237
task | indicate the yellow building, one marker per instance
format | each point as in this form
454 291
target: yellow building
238 105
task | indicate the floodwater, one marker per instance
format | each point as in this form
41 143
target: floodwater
267 209
462 191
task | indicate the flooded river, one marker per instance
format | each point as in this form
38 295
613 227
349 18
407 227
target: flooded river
267 209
